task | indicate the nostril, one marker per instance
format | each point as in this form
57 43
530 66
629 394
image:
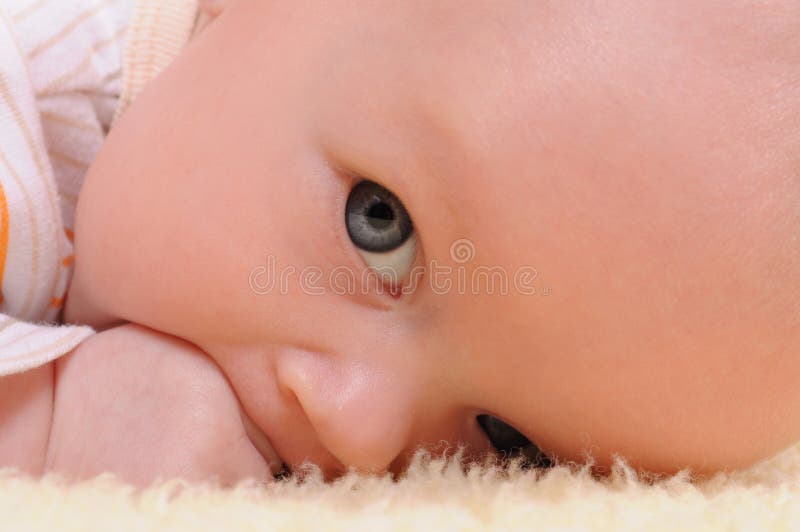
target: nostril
359 415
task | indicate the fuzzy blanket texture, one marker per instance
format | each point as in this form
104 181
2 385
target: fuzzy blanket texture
433 495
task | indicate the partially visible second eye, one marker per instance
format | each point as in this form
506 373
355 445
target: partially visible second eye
380 228
509 442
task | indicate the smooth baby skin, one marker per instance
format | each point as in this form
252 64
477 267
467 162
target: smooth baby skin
137 403
641 156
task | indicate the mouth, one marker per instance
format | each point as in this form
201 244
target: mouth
262 444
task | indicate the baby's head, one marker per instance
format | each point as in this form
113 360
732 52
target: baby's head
594 206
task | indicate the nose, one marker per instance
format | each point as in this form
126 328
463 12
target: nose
362 413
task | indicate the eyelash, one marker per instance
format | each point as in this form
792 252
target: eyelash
382 232
532 455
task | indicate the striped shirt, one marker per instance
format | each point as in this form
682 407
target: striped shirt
67 69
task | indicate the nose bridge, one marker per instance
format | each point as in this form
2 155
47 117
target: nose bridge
362 408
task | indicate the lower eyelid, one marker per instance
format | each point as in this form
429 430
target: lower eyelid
352 260
412 282
400 259
347 180
364 258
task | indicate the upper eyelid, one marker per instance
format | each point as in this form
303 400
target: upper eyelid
354 177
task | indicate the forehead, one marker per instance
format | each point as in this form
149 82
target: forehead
500 121
441 96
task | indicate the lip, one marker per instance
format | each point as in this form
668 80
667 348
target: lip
262 444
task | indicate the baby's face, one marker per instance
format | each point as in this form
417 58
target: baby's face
592 211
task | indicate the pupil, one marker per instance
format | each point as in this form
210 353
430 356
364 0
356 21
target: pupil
380 216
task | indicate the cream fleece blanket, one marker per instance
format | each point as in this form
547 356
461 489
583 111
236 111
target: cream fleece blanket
434 495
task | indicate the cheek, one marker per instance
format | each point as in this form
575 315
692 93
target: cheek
172 242
670 332
168 231
673 343
194 188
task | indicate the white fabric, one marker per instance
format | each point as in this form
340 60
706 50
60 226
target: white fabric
158 32
432 496
60 80
67 69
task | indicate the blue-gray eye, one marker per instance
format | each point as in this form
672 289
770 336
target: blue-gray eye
509 442
376 219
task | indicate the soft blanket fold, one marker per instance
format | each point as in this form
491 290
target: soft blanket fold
434 495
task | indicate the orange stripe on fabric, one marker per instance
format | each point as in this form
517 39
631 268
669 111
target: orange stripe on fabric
57 302
57 84
66 159
39 160
70 234
28 11
72 198
66 30
4 218
68 260
50 116
32 221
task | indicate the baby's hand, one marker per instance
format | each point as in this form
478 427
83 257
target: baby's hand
144 405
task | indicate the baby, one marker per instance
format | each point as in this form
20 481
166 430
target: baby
581 219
